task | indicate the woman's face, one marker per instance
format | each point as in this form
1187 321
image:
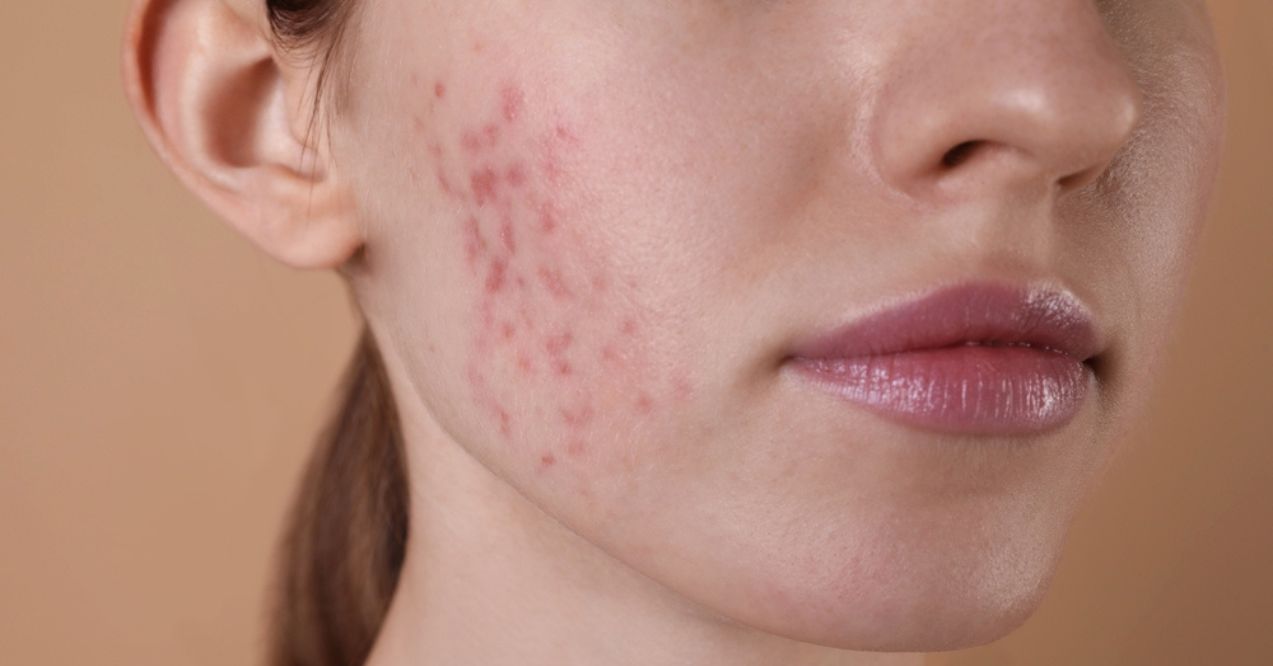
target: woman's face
600 231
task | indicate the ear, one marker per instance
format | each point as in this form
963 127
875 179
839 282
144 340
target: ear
232 119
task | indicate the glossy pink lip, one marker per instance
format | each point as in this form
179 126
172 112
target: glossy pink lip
984 359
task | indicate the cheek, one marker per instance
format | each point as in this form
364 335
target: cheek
558 358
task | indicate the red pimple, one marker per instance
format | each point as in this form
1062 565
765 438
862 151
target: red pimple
491 132
547 460
506 235
439 90
505 423
444 184
484 183
524 364
558 344
629 327
495 279
553 281
508 330
474 244
609 354
547 218
576 417
516 175
511 101
644 403
563 369
471 141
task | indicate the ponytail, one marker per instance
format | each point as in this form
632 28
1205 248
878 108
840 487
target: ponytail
343 547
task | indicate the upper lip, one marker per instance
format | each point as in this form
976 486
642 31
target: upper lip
968 314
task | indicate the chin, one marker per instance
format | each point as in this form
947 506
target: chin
923 587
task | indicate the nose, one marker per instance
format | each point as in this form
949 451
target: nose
989 97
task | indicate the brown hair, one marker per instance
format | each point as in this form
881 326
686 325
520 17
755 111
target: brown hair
342 550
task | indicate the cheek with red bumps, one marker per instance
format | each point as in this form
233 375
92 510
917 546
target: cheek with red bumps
557 364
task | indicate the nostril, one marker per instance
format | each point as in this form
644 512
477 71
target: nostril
959 154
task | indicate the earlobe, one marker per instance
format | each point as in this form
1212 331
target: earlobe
233 123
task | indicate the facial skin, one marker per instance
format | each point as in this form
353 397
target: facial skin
592 232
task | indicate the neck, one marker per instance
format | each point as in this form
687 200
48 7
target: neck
491 579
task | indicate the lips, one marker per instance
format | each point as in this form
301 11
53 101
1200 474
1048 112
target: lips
987 359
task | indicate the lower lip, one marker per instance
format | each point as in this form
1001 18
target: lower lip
978 390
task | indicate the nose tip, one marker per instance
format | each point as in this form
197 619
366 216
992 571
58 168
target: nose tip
1045 100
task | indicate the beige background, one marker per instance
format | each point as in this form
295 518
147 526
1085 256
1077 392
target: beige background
162 380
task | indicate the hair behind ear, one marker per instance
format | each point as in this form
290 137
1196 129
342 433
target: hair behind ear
344 545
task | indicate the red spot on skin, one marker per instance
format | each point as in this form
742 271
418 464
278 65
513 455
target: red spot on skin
495 279
439 90
577 418
563 369
491 132
508 330
564 134
505 422
552 280
599 282
558 344
609 354
471 141
547 218
644 403
511 101
506 235
577 447
484 183
445 185
474 244
681 388
547 460
629 327
515 175
521 282
524 365
435 150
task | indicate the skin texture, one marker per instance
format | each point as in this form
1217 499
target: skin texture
591 232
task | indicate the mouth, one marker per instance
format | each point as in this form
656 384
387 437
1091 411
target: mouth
978 359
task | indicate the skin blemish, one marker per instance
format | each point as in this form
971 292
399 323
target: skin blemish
629 327
491 133
558 344
515 175
505 422
474 244
577 448
547 460
577 418
508 330
644 403
495 279
554 283
547 218
484 182
439 90
471 142
506 235
524 365
563 369
511 101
